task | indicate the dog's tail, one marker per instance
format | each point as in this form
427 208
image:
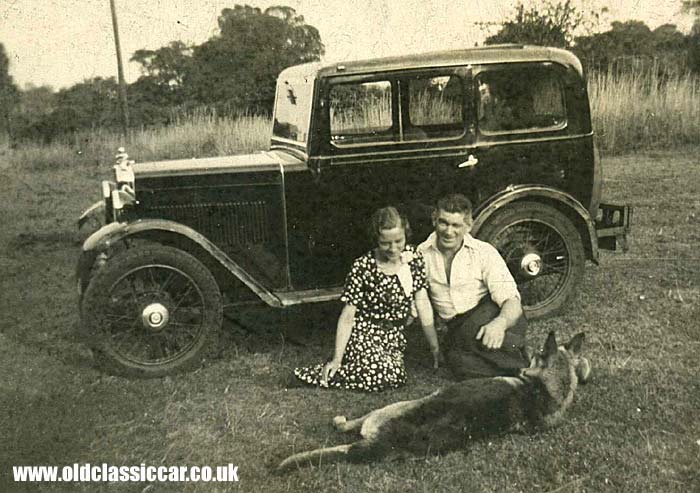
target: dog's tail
359 451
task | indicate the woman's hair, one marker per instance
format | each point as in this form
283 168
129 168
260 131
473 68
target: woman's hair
388 218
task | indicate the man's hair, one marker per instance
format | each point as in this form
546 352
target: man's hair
455 202
388 218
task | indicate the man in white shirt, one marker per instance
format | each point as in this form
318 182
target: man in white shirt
472 290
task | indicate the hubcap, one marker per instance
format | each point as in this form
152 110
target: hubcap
155 316
531 264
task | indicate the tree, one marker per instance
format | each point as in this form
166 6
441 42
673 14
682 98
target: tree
693 57
632 44
550 24
9 94
35 105
239 67
93 103
164 72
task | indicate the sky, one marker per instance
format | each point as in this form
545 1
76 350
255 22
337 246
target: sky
61 42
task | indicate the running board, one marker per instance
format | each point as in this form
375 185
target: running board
290 298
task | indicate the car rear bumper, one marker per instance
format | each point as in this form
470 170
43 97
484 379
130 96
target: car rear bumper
612 225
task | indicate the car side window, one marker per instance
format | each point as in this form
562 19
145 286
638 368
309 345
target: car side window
435 107
361 113
520 99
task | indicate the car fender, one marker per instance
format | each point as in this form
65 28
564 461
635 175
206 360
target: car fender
101 240
96 212
563 201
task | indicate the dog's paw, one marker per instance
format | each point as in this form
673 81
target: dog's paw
339 422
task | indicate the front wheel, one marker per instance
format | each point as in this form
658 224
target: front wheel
152 310
543 251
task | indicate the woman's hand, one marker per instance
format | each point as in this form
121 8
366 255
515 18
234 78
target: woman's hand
437 357
329 370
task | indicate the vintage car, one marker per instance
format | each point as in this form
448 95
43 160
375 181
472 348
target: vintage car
508 126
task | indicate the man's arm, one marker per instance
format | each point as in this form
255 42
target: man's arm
427 322
493 333
504 292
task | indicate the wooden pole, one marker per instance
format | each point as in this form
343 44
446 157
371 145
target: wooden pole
120 72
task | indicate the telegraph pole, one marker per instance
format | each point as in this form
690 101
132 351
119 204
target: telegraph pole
120 72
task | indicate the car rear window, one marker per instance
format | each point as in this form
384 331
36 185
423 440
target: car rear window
520 99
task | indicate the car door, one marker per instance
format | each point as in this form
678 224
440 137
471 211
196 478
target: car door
391 139
523 135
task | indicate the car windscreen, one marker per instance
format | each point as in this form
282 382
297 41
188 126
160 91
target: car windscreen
293 109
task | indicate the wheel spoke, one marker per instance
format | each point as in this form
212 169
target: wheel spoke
157 351
182 298
163 285
153 312
540 238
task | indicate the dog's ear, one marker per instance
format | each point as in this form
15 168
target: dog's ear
575 345
550 347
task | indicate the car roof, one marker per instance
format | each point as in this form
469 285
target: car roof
480 55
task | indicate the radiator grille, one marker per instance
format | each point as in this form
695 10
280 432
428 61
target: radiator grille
225 223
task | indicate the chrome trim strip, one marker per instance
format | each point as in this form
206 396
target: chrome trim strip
290 298
283 196
399 109
525 131
403 158
473 146
206 171
395 152
297 153
399 142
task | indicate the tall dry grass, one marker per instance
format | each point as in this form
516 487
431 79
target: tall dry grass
633 110
197 134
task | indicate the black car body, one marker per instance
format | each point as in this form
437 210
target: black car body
508 126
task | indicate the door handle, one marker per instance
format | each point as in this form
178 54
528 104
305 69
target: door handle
469 163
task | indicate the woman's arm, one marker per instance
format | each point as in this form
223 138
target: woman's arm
427 322
342 335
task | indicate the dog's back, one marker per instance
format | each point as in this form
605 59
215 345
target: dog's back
468 410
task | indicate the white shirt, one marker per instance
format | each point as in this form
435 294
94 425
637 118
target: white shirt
477 271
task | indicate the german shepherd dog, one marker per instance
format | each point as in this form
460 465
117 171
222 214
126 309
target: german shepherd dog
446 419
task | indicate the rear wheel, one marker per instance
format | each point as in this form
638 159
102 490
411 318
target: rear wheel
543 251
152 310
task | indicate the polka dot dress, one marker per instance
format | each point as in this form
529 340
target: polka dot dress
373 359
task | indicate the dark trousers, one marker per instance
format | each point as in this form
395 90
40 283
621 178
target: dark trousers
466 355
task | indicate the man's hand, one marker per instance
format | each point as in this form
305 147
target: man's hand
493 333
329 370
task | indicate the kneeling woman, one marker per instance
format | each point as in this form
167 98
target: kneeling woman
379 292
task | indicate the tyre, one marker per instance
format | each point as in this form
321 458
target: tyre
543 251
151 311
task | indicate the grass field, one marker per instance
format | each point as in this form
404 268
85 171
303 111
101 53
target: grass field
635 427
